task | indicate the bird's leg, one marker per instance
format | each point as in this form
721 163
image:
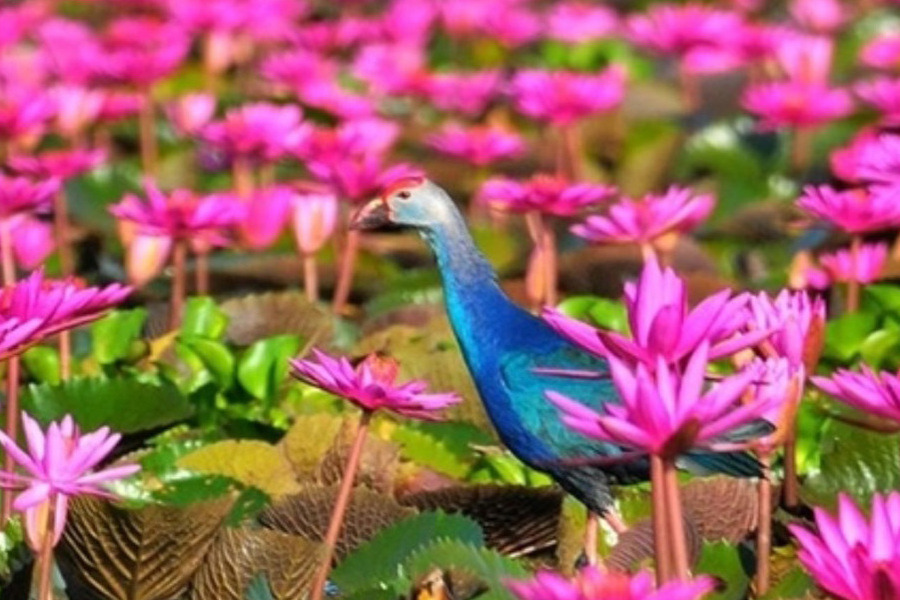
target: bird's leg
615 522
591 530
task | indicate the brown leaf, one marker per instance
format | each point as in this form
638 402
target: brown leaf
252 462
146 554
378 465
635 546
307 441
721 508
288 563
258 316
516 520
307 514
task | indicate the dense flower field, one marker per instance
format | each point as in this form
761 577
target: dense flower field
645 345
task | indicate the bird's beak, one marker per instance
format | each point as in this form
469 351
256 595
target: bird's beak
372 215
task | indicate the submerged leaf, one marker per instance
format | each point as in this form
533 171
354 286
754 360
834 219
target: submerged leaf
252 462
259 316
635 547
722 508
145 554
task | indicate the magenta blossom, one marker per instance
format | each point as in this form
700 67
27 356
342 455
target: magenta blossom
779 385
390 69
797 323
592 583
641 221
265 215
58 465
666 411
563 97
852 557
662 326
882 94
845 161
875 393
191 112
865 268
855 211
467 93
24 112
575 21
877 161
478 145
371 385
314 214
23 196
796 103
821 16
882 51
58 164
257 132
547 194
77 108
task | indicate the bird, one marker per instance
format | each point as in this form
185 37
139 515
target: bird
515 356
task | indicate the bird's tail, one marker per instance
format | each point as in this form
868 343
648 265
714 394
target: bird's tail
734 464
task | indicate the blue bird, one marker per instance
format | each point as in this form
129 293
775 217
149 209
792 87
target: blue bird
514 357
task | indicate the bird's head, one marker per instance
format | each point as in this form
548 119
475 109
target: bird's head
409 202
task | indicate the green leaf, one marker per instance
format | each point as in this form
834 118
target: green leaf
113 335
214 356
265 365
855 461
202 317
722 561
485 564
42 362
845 335
259 589
376 562
125 405
884 296
442 446
880 346
601 312
793 584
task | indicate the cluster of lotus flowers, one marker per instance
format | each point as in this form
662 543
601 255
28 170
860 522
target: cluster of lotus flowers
326 109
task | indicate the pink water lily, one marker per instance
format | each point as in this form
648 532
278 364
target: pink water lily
796 104
797 322
882 94
563 97
191 112
855 211
547 194
468 93
257 132
479 145
882 51
592 583
57 164
575 21
850 556
58 465
865 267
874 393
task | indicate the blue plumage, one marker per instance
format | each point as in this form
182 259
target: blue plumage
514 357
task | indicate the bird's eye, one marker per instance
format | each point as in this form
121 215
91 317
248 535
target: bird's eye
404 195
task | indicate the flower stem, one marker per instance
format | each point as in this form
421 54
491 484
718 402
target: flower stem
660 521
690 89
764 527
176 301
242 176
550 265
538 269
310 277
12 430
147 125
345 271
7 260
678 541
45 560
801 150
568 158
61 227
591 528
65 354
202 273
791 484
853 287
340 506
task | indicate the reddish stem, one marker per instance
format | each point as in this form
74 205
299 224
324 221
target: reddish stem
147 125
853 287
242 176
537 268
764 527
648 252
801 150
677 539
791 493
65 354
12 430
61 228
340 506
568 158
345 271
660 521
176 301
310 277
201 267
45 559
7 259
550 265
591 530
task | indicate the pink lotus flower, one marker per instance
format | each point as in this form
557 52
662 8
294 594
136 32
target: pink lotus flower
797 323
163 220
575 21
57 164
778 384
32 242
592 583
70 50
642 221
121 105
371 385
22 196
257 132
265 216
796 104
547 194
24 112
295 68
142 65
844 161
662 327
563 97
665 411
314 214
467 93
874 393
855 211
882 51
58 465
512 24
866 268
77 108
876 160
478 145
191 112
328 95
821 16
390 69
805 58
851 557
883 94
